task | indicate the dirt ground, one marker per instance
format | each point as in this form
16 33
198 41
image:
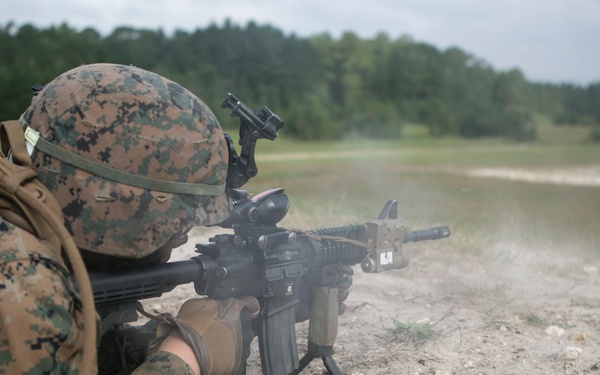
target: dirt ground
521 312
511 311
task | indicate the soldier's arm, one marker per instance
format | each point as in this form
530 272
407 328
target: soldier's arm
41 325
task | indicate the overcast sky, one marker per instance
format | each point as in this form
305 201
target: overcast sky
549 40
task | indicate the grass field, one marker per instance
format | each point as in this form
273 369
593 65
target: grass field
337 183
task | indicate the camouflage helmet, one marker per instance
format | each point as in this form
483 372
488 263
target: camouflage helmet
133 158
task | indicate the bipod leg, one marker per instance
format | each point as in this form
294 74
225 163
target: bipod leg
331 366
328 361
304 361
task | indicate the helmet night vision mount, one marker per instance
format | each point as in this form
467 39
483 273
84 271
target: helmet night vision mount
254 125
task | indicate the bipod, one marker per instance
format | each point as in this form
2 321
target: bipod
328 361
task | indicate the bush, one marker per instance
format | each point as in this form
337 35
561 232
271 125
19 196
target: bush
311 119
374 120
595 133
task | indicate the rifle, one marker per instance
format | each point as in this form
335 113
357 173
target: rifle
282 268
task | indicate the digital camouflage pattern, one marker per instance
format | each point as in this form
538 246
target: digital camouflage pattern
41 326
138 122
161 363
133 121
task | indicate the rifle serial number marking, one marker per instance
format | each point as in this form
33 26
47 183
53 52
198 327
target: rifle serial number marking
386 258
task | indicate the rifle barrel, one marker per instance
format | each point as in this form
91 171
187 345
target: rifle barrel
434 233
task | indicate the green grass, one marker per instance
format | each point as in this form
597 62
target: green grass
585 302
348 181
418 333
412 333
557 146
536 321
540 322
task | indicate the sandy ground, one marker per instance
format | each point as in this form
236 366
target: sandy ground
521 312
511 311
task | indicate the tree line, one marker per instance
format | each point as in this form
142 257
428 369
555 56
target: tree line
322 87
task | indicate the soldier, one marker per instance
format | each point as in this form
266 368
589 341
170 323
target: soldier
121 163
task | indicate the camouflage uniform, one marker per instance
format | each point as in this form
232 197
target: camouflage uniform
131 121
40 330
163 363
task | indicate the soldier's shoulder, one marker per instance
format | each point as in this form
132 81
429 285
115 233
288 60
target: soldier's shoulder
18 244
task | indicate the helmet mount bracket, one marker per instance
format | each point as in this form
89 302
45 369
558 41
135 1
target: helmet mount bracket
254 125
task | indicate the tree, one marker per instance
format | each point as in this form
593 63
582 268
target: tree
327 87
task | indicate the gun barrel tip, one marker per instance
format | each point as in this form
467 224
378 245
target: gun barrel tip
446 231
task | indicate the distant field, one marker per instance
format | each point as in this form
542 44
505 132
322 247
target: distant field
336 183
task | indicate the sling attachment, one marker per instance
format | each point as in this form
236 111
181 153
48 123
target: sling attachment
25 200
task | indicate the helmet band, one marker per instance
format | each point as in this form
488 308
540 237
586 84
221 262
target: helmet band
33 138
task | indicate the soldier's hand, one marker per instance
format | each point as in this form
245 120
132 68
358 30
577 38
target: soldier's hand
219 332
344 281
